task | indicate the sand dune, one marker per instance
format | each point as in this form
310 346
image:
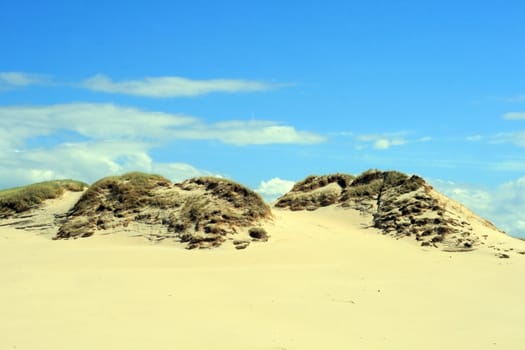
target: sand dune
332 276
325 280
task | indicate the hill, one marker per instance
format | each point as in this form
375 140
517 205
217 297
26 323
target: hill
206 212
346 262
21 199
397 204
200 212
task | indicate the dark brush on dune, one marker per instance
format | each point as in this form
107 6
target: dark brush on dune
399 205
205 212
200 212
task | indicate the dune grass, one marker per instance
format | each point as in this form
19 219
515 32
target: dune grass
20 199
128 190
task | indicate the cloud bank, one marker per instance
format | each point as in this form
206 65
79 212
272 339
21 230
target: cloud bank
86 141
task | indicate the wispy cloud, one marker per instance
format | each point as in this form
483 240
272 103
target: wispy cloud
10 80
514 116
388 140
109 121
253 132
105 139
166 87
516 138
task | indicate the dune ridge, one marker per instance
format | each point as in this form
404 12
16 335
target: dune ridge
399 205
200 212
206 212
325 277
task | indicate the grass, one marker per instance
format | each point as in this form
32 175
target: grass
125 191
205 206
236 194
20 199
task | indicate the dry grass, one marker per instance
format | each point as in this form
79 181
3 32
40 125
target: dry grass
20 199
199 211
123 192
232 192
316 191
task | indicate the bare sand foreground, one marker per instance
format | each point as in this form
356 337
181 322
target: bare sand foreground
323 281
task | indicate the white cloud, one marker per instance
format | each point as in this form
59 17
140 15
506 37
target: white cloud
165 87
274 188
88 161
17 79
384 141
388 140
250 133
502 205
98 121
108 121
104 139
514 115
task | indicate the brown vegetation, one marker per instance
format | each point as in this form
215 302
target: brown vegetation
200 212
398 204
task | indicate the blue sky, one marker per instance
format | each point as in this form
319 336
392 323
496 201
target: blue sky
268 92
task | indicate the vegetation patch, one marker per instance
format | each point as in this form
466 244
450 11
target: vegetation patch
398 204
199 212
21 199
258 234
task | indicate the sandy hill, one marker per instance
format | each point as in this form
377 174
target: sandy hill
346 273
200 213
15 201
39 207
400 206
206 212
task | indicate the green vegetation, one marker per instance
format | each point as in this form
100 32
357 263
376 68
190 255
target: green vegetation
20 199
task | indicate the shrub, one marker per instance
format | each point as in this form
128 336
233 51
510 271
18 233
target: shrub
258 233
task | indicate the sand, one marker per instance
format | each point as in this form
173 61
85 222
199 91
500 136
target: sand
323 281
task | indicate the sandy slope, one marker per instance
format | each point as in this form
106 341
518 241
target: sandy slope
321 282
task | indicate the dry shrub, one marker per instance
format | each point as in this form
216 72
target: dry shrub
258 233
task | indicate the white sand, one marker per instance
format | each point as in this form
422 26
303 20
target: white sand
321 282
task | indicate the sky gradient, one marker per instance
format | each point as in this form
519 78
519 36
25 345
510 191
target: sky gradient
268 92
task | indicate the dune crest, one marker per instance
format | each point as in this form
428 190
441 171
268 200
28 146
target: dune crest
400 206
206 212
201 212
